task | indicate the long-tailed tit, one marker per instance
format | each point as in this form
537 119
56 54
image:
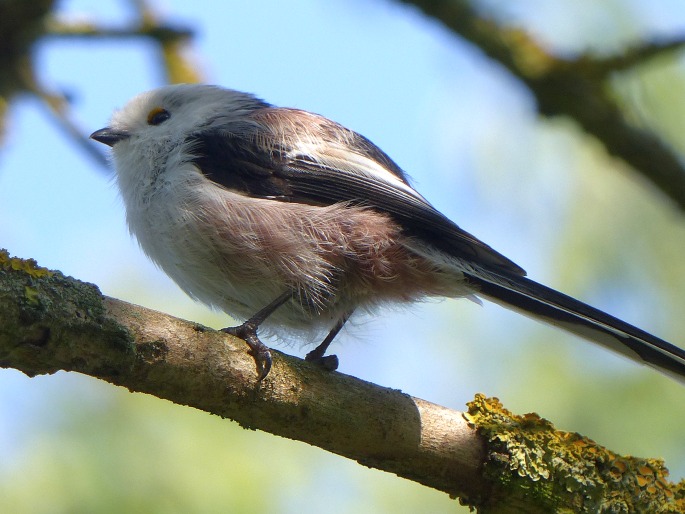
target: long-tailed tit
283 217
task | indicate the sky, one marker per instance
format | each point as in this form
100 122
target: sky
465 131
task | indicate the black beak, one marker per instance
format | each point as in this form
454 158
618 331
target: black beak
109 136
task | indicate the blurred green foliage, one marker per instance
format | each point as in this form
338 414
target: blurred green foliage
106 451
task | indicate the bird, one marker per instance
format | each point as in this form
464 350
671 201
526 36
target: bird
291 222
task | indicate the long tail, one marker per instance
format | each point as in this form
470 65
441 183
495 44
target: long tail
540 302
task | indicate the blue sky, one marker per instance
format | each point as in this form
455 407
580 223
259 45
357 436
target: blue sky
459 125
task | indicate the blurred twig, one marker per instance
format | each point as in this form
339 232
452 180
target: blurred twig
573 87
85 30
173 44
58 109
23 23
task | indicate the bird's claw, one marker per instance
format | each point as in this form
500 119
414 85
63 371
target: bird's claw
258 350
262 355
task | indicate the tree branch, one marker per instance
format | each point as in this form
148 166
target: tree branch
573 87
488 457
49 322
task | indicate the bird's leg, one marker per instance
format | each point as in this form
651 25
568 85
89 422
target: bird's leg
329 362
248 331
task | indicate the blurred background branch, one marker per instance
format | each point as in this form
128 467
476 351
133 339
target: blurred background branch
24 24
573 87
21 25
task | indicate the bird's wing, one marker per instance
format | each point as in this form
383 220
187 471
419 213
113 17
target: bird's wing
330 165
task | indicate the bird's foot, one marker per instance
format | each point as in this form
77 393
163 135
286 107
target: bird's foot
259 351
327 362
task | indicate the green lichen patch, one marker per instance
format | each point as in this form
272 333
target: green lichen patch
565 471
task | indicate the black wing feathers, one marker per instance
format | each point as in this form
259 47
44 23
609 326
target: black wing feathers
241 164
238 165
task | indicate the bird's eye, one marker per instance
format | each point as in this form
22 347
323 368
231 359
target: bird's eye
157 116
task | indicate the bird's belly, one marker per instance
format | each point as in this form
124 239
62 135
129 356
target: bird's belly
238 254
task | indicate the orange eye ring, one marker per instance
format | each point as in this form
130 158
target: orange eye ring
157 116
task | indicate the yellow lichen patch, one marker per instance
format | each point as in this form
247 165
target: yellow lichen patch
568 468
32 295
29 266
